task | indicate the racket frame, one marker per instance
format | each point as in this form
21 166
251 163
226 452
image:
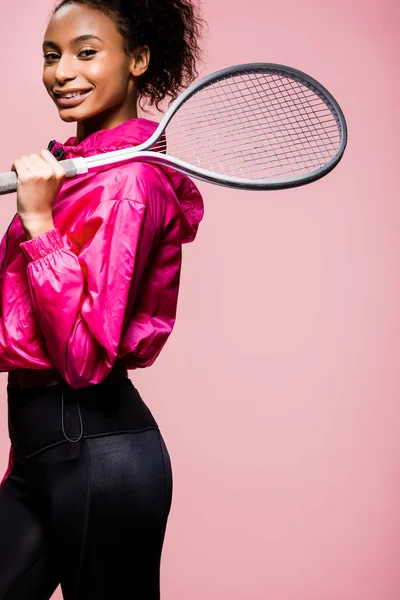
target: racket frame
143 152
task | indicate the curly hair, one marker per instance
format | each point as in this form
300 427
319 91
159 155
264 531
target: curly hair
171 29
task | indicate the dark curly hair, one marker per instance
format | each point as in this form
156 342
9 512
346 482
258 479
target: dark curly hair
171 29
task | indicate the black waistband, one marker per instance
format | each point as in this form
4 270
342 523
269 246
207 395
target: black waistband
43 416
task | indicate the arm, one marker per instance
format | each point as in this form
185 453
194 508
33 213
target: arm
80 300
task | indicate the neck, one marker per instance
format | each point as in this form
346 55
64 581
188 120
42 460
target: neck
104 120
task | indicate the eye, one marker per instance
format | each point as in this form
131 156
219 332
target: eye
48 55
94 51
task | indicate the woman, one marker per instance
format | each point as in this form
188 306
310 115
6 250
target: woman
90 271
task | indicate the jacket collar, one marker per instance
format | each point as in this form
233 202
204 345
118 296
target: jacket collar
130 133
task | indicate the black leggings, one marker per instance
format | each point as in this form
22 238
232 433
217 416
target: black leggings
87 500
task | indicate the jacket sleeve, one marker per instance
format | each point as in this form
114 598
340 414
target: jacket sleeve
79 299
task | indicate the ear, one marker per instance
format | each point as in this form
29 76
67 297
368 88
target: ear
140 60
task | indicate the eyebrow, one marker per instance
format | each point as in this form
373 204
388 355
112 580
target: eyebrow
80 38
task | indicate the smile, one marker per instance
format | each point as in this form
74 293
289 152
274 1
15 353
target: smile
71 99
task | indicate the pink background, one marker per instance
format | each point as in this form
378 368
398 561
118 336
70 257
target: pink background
278 391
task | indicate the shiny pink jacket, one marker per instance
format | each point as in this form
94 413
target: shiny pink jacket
102 285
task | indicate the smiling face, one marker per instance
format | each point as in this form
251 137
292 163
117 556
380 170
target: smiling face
95 64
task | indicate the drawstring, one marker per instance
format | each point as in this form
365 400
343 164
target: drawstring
62 420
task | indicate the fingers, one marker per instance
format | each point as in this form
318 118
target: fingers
36 163
21 167
51 159
44 164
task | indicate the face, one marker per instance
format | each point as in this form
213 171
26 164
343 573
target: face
97 66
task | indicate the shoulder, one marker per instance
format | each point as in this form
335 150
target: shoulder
138 181
146 184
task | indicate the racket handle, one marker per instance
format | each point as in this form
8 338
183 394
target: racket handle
8 182
72 167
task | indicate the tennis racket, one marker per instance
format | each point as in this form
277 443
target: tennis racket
258 126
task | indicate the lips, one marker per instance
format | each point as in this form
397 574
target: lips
74 101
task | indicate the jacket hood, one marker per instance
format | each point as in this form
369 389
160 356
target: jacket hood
132 133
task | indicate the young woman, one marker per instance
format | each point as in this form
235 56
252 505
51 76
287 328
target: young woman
90 271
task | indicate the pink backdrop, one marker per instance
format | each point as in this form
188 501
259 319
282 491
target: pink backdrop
278 391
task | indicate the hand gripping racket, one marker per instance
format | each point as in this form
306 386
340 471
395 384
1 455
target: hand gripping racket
259 126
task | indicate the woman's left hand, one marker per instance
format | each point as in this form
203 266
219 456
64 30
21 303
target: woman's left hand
40 177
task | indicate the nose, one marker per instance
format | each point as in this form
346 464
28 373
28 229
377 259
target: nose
65 69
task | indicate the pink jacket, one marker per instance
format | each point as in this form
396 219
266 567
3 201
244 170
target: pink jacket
102 285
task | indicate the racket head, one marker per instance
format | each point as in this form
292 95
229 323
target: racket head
253 126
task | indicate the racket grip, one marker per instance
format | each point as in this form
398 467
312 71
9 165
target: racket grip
72 167
8 182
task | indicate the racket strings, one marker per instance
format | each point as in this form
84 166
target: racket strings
199 126
274 157
288 119
259 117
255 125
248 134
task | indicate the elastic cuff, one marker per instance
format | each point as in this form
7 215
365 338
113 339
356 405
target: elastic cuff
42 245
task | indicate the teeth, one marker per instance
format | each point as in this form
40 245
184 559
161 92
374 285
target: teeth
71 95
